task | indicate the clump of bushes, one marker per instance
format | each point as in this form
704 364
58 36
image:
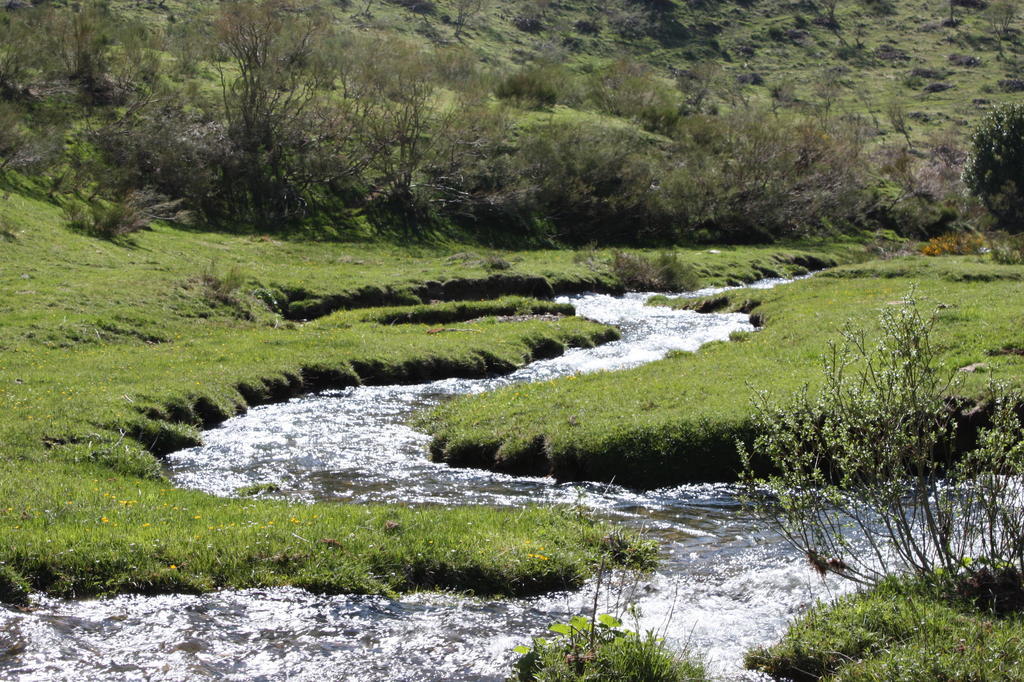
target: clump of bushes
222 286
107 220
531 86
995 167
113 219
954 244
311 121
664 272
1007 249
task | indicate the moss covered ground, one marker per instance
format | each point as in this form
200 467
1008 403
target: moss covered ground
112 353
677 420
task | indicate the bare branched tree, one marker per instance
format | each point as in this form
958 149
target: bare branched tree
466 11
273 84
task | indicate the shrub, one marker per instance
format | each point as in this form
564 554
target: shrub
954 244
601 649
631 90
995 166
591 182
531 86
222 287
113 219
869 482
748 177
665 272
1007 249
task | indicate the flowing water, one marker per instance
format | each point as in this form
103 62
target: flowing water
724 584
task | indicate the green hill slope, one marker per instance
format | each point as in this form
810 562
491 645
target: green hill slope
870 58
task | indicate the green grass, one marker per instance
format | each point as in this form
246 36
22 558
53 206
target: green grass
66 289
113 352
901 630
76 530
677 420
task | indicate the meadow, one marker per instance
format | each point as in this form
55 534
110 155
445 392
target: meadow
116 352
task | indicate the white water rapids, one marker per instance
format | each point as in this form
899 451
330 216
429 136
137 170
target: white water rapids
724 583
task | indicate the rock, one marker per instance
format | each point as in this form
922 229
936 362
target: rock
973 367
528 24
964 60
891 53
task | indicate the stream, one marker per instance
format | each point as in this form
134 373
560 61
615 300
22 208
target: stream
724 583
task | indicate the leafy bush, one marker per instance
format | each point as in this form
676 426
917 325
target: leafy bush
593 182
1007 249
995 166
103 219
954 244
631 90
869 482
532 86
748 177
662 273
600 649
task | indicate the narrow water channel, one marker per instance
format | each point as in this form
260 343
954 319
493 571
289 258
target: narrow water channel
723 585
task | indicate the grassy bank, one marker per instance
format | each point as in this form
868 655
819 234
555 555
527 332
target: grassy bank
85 512
677 420
112 353
900 630
76 530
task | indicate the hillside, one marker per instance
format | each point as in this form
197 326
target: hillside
941 63
511 122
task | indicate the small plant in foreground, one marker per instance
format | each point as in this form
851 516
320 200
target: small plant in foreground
601 649
869 482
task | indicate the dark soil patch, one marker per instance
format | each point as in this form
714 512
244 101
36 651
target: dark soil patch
1007 351
1000 591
